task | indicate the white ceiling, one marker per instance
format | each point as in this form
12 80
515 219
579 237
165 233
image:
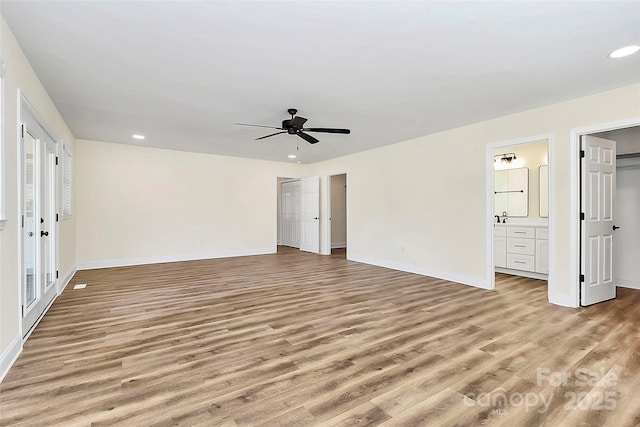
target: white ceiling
182 73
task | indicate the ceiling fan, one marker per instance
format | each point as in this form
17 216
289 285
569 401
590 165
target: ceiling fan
294 126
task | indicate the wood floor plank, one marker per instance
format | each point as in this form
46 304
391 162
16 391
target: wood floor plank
299 339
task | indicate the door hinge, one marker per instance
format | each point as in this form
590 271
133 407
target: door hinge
21 131
22 221
581 278
581 216
56 160
57 274
56 217
582 154
22 310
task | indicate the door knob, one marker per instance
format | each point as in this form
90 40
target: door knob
315 218
44 233
615 227
30 234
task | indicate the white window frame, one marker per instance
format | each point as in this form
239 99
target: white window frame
3 216
66 182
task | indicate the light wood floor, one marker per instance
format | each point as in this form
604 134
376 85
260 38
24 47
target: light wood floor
301 339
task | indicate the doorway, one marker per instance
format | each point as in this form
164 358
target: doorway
298 213
518 209
609 213
337 224
289 212
39 233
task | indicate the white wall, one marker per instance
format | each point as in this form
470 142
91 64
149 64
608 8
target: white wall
140 205
20 75
626 242
420 205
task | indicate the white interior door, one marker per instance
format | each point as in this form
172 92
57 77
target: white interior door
310 214
598 198
290 213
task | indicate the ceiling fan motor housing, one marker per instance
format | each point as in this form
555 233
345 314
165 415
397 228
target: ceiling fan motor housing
286 125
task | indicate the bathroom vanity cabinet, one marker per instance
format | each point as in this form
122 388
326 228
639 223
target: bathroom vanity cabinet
522 250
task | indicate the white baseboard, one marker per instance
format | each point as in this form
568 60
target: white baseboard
338 245
631 284
529 274
453 277
123 262
64 282
9 356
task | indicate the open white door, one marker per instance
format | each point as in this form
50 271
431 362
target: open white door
310 218
598 198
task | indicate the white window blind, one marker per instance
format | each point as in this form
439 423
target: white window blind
66 182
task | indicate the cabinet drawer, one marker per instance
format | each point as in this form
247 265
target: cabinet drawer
521 246
542 233
521 262
499 231
523 232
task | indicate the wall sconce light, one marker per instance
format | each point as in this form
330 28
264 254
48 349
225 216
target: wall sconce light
504 158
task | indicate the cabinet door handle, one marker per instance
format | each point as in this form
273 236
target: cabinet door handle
520 246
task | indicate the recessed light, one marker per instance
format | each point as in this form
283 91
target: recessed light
291 156
137 136
624 51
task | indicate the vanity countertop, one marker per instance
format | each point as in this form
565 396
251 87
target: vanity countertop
521 222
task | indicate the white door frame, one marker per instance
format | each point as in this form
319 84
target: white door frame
574 198
325 224
25 105
489 204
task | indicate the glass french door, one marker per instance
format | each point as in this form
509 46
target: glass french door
39 245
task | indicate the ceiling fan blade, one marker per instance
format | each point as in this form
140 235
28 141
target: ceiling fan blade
297 122
258 126
327 130
308 138
273 134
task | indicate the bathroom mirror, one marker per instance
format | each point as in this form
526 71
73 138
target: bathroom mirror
511 192
544 190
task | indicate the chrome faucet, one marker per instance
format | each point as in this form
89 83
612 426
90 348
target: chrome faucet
497 218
